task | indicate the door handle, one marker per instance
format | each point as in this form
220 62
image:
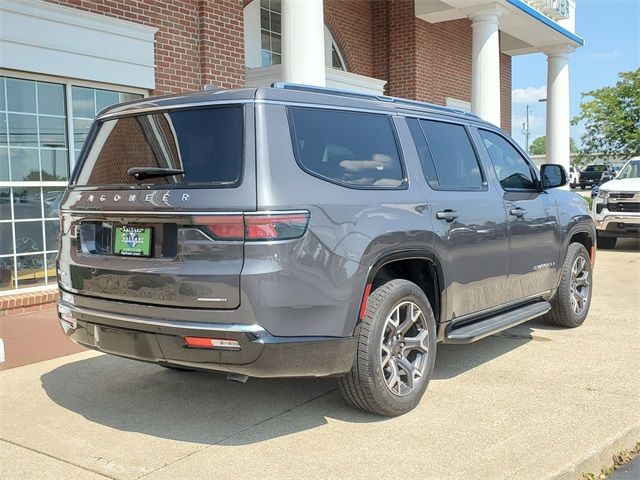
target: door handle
448 215
518 212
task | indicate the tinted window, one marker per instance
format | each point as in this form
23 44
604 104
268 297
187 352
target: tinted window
511 169
356 149
456 164
596 168
206 143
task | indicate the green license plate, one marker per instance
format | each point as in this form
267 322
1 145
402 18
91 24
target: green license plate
133 241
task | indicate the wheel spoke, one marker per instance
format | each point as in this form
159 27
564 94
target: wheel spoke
420 342
386 355
583 279
413 374
394 376
407 320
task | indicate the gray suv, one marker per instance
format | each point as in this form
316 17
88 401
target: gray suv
299 232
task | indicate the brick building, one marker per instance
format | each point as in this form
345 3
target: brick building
61 61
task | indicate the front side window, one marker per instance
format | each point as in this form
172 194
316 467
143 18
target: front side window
456 165
350 148
511 168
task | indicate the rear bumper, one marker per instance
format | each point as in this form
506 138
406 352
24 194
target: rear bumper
160 341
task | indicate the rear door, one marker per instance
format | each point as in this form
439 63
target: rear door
469 220
534 228
161 239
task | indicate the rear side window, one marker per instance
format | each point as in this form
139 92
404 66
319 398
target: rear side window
206 143
349 148
455 164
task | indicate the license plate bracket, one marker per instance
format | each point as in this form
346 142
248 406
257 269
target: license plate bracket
133 241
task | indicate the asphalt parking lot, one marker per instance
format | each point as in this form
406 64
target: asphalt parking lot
534 402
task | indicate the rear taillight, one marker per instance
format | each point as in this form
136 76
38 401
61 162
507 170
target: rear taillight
275 226
255 226
222 227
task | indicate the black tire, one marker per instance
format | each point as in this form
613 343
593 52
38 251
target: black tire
562 313
607 243
583 187
365 386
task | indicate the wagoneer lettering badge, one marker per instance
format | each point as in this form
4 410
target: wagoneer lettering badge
149 197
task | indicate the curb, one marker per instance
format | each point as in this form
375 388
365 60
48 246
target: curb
600 456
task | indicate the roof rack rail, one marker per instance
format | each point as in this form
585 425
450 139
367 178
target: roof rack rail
371 96
336 91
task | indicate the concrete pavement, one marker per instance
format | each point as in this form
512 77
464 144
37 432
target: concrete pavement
534 402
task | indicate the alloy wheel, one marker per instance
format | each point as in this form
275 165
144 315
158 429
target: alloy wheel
579 285
405 348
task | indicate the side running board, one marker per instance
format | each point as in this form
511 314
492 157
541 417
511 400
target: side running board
483 328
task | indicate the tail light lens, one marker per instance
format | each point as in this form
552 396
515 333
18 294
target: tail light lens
275 226
255 226
222 227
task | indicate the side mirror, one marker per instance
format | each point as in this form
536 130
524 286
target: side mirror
553 175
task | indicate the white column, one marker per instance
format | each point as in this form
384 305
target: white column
558 119
485 63
303 42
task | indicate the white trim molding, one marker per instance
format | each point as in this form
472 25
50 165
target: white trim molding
39 37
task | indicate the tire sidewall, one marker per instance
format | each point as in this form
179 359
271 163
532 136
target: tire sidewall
400 404
575 251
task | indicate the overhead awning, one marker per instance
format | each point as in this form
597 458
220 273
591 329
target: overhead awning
527 26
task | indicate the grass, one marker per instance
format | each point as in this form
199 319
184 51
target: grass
618 460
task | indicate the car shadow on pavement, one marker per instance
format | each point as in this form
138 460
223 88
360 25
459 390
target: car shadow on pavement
453 360
629 245
196 407
204 407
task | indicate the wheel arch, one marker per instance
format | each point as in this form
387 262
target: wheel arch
584 235
421 267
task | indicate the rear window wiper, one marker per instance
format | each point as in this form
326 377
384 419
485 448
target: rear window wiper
140 173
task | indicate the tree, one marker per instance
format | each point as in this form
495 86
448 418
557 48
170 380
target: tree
539 146
612 118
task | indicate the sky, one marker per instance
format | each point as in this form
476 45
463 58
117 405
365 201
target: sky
611 30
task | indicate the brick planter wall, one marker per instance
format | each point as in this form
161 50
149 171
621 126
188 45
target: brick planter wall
28 302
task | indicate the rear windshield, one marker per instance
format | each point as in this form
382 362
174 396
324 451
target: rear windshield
596 168
207 144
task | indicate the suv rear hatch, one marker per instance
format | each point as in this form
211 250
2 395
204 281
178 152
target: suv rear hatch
154 213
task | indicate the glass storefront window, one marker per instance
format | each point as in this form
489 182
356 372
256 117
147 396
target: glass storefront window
38 146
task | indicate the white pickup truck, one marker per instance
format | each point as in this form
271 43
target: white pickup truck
616 208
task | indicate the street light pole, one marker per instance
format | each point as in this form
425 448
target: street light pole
526 132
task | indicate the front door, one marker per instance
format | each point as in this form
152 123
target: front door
534 230
468 217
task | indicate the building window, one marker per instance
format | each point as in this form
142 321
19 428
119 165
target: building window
271 37
37 148
271 32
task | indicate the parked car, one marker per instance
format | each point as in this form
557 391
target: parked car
574 177
592 175
616 207
303 232
608 175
